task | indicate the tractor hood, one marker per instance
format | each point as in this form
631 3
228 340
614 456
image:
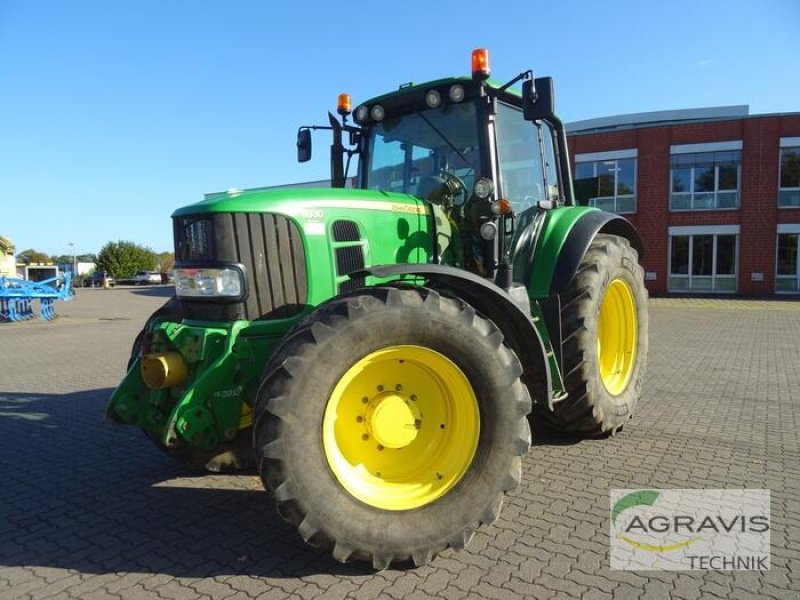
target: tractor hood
299 201
296 247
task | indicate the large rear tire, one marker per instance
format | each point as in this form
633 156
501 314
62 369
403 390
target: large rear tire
604 327
391 424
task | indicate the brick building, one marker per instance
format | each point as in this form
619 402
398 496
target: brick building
715 194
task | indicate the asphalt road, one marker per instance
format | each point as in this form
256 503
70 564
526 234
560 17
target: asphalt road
93 511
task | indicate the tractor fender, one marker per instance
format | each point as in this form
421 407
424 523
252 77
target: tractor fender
580 237
548 255
492 302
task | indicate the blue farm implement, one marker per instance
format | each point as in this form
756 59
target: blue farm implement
17 297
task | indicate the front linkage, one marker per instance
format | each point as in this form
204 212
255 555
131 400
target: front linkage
190 388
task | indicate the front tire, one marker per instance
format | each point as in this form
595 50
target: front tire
604 324
390 425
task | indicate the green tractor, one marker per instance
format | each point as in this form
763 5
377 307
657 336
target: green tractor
377 352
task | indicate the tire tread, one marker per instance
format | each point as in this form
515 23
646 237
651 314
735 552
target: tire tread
273 409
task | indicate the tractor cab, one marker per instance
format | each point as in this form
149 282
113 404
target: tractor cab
489 160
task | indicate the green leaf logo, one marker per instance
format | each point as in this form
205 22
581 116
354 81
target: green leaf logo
644 498
640 498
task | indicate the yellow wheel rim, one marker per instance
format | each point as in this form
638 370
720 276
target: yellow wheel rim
401 427
617 336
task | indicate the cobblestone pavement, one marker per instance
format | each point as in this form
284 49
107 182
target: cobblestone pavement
93 511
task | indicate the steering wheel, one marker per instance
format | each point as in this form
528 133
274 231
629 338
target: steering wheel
455 186
442 189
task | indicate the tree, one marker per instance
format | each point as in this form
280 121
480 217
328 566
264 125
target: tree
124 259
6 246
164 261
33 256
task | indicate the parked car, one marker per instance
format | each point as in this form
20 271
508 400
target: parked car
147 277
99 279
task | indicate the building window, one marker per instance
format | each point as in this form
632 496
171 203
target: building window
787 276
789 194
703 263
705 180
616 183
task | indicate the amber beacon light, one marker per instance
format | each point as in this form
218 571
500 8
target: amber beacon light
480 63
344 105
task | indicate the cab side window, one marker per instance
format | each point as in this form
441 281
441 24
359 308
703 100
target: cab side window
519 152
551 166
528 168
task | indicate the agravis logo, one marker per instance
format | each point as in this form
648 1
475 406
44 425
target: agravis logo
646 498
690 529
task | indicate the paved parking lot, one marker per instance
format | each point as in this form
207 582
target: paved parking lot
93 511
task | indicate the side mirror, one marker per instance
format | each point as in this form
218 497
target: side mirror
538 99
303 145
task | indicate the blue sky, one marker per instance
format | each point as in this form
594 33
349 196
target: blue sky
113 114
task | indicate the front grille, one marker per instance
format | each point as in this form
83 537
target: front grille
269 247
194 239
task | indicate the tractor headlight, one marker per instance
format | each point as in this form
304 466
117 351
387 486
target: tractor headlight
209 282
484 188
456 93
433 98
377 113
488 230
361 114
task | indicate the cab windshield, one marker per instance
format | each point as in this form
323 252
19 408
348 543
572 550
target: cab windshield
406 151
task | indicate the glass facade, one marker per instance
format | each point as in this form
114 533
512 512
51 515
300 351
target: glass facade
616 182
789 194
734 186
787 271
705 180
703 263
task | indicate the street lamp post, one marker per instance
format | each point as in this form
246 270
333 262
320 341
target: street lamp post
74 265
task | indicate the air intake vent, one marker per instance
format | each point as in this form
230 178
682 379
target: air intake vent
352 284
345 231
348 260
349 252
